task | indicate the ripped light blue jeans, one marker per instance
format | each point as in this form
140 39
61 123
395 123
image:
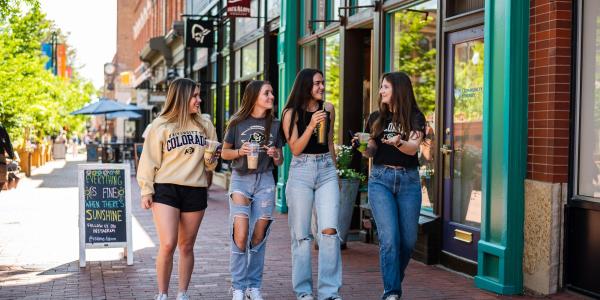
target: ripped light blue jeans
313 181
246 267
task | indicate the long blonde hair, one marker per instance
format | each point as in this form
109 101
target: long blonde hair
176 109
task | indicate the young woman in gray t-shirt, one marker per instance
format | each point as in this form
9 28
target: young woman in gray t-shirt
252 190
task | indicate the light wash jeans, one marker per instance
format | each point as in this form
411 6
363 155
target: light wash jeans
395 199
246 267
313 181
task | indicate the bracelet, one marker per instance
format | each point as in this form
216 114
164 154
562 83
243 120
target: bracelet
238 152
400 144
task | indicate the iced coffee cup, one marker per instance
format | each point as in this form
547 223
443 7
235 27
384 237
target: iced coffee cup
363 141
252 157
209 150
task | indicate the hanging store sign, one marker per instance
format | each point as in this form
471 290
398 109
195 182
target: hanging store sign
199 34
238 8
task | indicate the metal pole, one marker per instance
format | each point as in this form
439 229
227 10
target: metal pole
54 42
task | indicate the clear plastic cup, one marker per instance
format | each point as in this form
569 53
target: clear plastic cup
252 157
210 148
363 141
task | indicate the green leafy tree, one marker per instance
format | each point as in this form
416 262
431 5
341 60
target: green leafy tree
332 79
32 97
412 53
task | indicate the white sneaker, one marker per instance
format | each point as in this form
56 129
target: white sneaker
160 296
183 296
253 294
392 297
238 295
306 297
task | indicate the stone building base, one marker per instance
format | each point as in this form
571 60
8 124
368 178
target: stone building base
543 236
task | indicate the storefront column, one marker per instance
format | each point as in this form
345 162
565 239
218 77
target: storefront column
500 251
288 65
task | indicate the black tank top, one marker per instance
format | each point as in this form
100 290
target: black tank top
313 146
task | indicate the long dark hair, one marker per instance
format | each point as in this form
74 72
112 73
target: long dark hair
300 94
249 98
403 103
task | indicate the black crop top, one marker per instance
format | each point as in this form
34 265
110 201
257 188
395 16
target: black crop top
313 147
388 154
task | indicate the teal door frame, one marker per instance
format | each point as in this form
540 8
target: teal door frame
500 249
288 67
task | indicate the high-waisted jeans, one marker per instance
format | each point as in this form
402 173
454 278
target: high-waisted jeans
313 181
395 200
246 267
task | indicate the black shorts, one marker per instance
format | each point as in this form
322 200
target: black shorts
185 198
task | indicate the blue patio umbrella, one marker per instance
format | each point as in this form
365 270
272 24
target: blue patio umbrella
126 114
104 106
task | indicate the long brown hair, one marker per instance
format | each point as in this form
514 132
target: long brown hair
402 101
249 98
176 108
300 95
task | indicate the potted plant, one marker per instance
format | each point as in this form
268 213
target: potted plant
349 181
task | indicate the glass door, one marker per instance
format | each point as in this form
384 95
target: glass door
462 143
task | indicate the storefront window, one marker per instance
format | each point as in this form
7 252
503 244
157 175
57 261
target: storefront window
273 9
413 50
588 160
225 86
228 106
334 9
238 64
244 26
226 34
363 3
249 59
306 16
332 79
213 92
225 69
310 56
261 54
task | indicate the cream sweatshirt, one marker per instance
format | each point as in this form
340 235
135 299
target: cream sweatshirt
172 155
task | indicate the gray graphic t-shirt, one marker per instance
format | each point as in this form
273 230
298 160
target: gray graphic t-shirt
253 130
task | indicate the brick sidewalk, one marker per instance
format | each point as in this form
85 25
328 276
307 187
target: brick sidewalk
24 277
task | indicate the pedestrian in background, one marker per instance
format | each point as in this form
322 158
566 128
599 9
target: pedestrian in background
252 188
312 181
172 176
394 184
6 148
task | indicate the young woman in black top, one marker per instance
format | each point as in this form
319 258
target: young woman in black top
312 181
394 184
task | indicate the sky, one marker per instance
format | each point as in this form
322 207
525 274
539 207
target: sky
92 25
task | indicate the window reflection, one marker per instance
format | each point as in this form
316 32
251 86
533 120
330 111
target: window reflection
332 78
588 182
468 120
413 43
244 26
249 59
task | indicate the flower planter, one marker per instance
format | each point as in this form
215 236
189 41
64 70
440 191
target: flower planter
348 192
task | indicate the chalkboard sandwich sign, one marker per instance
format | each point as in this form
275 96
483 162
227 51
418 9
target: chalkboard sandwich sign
104 208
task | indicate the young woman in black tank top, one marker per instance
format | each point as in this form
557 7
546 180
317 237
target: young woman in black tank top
312 182
394 184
